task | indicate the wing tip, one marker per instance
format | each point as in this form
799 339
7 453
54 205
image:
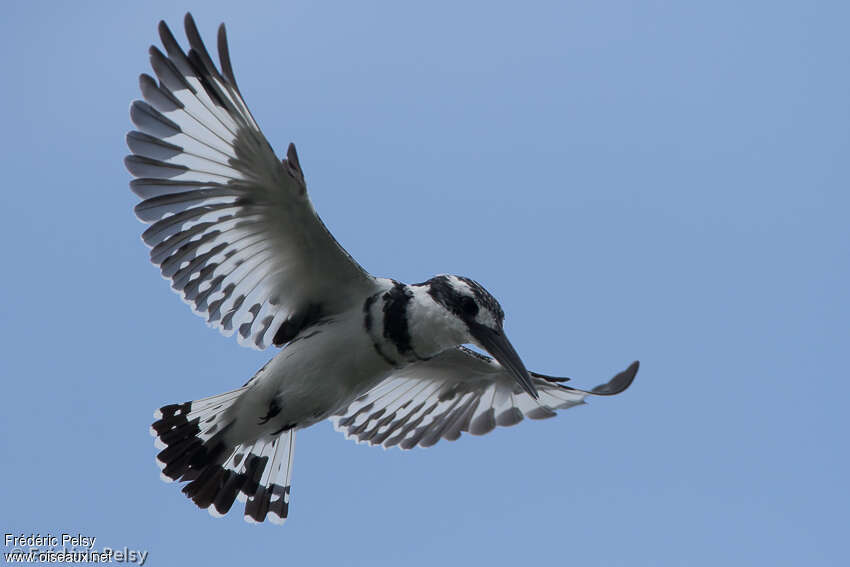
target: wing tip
189 21
618 383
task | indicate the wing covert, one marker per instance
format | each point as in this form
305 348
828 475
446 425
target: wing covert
231 226
457 391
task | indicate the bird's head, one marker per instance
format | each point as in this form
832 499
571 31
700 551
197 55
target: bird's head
478 317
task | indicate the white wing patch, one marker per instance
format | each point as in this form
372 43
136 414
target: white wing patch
456 391
232 227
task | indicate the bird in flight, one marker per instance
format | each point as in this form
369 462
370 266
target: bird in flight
233 229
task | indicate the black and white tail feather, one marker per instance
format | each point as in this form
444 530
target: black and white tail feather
194 448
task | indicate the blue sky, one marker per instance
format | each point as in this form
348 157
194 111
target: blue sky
663 181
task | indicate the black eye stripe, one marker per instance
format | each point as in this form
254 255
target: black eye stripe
459 302
483 298
469 306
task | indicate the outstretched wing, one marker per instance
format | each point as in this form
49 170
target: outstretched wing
232 226
458 390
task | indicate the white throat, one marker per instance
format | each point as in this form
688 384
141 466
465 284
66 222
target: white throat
432 328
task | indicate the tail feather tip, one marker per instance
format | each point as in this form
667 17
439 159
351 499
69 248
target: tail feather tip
195 449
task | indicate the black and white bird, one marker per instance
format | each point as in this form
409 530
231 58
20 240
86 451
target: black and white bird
233 229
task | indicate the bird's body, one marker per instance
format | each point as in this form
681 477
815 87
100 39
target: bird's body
305 385
234 231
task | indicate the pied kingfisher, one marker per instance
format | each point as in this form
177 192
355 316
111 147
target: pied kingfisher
234 230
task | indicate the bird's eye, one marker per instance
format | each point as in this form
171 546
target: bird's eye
468 306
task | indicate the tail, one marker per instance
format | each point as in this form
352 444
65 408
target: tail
195 449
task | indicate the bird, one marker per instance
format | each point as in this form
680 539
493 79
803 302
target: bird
233 229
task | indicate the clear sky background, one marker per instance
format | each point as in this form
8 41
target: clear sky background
663 181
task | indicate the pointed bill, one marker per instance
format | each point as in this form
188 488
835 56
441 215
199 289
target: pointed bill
498 345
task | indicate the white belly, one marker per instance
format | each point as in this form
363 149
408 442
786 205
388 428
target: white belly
312 378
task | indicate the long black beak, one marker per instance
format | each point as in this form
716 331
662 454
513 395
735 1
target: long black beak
497 344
